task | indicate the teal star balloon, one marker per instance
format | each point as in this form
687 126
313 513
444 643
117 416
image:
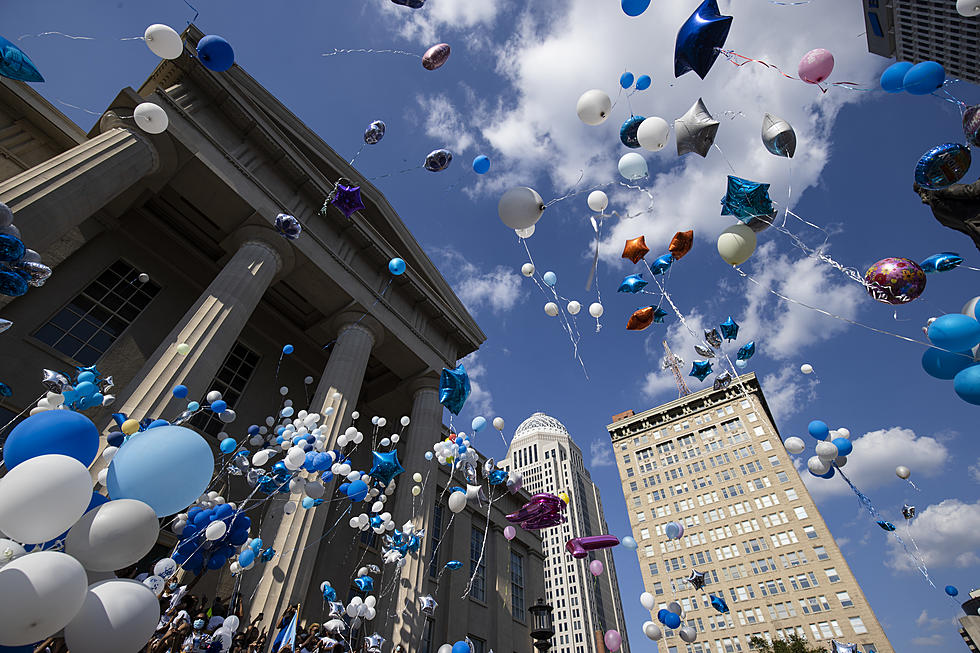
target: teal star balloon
700 370
658 315
386 466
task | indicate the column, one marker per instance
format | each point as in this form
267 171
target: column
424 430
296 537
56 196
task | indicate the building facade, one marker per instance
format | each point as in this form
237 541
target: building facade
970 624
924 30
713 461
194 208
586 606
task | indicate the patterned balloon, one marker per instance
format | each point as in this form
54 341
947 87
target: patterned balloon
942 165
971 125
895 280
627 133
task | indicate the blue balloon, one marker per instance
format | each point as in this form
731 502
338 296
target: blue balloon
893 79
549 278
966 384
215 53
29 648
256 544
643 82
86 389
672 620
924 78
288 349
224 511
481 164
943 165
246 557
157 423
217 561
219 406
479 423
627 133
955 332
192 406
944 365
12 284
180 391
228 445
62 432
700 38
461 647
951 590
818 429
844 446
166 468
17 65
632 283
308 502
830 473
943 262
629 543
396 266
85 376
357 490
626 80
635 7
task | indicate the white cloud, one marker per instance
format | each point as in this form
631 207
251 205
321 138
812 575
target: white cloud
875 456
788 391
947 535
931 640
601 453
443 122
480 401
429 23
931 623
974 470
497 290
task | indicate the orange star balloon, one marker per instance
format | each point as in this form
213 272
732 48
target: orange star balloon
636 249
640 319
681 244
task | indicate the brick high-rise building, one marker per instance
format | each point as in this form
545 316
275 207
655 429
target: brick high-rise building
714 462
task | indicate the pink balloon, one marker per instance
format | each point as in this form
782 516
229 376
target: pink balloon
816 66
613 639
596 567
510 532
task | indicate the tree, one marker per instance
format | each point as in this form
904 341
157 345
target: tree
795 644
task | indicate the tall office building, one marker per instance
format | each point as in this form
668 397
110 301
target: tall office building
586 606
713 461
924 30
970 624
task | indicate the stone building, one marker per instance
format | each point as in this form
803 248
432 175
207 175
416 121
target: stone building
714 462
194 209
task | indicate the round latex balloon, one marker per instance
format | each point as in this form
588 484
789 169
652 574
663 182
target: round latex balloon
968 8
826 450
525 233
481 164
635 7
457 501
966 384
674 530
924 78
573 307
593 107
647 600
688 634
818 430
151 118
215 53
818 466
521 207
167 467
903 472
806 368
551 309
114 535
643 82
10 551
64 432
794 445
816 66
598 201
595 310
893 79
498 423
163 41
633 166
612 638
895 280
951 590
435 56
527 269
652 630
39 594
653 133
736 244
510 532
626 80
42 497
596 567
117 615
955 332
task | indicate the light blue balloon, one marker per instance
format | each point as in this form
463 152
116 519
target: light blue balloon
740 364
944 365
481 164
955 332
85 376
287 411
549 278
308 502
86 389
228 445
967 385
166 468
479 423
629 543
428 455
246 557
396 266
256 544
844 446
192 406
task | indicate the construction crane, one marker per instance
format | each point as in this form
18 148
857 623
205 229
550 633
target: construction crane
673 363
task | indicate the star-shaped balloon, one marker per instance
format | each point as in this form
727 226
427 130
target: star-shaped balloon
454 388
662 264
746 351
640 319
636 249
700 370
5 324
729 329
427 604
376 521
14 64
695 131
658 315
718 604
106 384
364 583
392 555
712 338
681 244
386 466
700 38
347 199
329 593
748 201
497 477
696 579
336 609
722 381
373 643
840 647
632 284
886 525
707 352
54 381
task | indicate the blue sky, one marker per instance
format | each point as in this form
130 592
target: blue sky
509 91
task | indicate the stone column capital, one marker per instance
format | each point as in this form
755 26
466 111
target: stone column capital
426 381
111 120
265 237
361 321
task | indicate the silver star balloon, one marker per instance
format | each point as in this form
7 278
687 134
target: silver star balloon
106 384
337 609
427 604
373 643
712 337
5 324
54 381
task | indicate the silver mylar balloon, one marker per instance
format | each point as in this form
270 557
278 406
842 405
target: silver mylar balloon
489 466
469 473
54 381
39 272
778 136
695 130
428 604
374 133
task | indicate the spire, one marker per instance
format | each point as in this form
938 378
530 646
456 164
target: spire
673 363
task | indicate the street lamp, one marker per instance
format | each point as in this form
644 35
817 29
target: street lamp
544 628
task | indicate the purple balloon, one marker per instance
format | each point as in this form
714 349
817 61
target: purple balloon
542 511
579 547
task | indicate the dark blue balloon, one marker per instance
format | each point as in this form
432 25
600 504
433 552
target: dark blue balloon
224 510
830 473
11 248
951 590
454 388
643 82
14 64
818 429
662 264
635 7
700 370
700 38
219 406
626 80
115 439
943 165
357 490
627 133
966 384
746 351
461 647
180 391
672 620
893 79
729 329
216 561
844 446
662 614
12 284
944 365
62 432
924 78
29 648
747 200
215 53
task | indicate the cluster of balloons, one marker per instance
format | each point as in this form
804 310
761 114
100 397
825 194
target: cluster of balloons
919 79
20 267
956 337
209 537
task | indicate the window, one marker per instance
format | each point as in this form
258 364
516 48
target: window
230 381
791 495
426 646
782 478
658 588
436 529
478 645
517 585
821 553
809 530
86 328
845 599
858 625
644 533
800 512
774 461
832 575
653 569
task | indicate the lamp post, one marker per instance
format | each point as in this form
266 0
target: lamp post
544 628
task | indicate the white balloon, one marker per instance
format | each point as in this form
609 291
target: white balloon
10 551
108 453
39 594
498 423
840 461
647 600
520 207
593 107
817 465
736 244
903 472
215 530
151 118
155 583
224 636
652 630
525 233
968 8
114 535
165 568
806 368
844 433
118 615
232 623
688 634
598 201
596 310
652 134
163 41
633 166
445 648
260 458
573 307
42 497
794 445
55 399
551 309
675 607
527 269
457 501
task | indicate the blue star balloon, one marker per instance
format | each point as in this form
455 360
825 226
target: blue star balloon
941 262
386 466
747 200
267 554
376 521
454 388
497 477
348 199
329 593
658 315
17 65
662 264
364 583
700 370
729 329
746 351
627 133
699 39
718 604
632 284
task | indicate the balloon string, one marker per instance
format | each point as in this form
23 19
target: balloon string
483 547
67 36
740 60
16 417
196 12
649 209
357 154
571 191
337 51
88 111
715 145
